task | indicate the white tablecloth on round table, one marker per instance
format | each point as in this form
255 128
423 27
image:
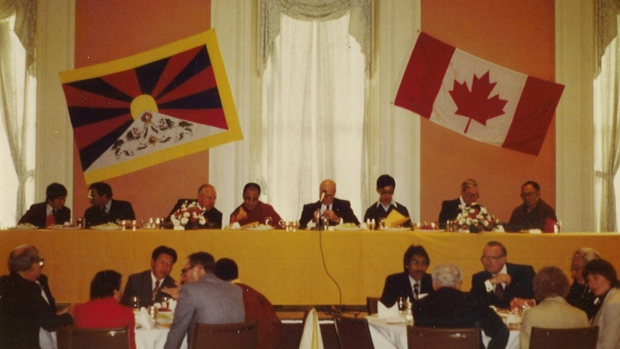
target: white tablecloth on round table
394 335
154 338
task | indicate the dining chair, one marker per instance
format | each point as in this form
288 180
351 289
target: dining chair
70 337
372 305
442 338
565 338
241 335
353 333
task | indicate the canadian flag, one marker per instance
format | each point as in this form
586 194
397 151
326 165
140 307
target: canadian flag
477 98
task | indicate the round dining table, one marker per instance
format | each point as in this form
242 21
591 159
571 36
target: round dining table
391 333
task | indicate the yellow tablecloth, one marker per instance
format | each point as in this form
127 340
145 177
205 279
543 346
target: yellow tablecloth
288 266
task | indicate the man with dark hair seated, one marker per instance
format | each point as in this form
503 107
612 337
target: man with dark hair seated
52 211
104 209
414 282
147 285
103 309
257 306
382 208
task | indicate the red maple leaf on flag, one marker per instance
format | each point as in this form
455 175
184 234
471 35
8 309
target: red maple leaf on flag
476 104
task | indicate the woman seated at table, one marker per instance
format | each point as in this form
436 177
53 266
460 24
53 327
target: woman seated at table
104 310
603 281
550 288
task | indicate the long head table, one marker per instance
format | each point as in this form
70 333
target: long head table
288 266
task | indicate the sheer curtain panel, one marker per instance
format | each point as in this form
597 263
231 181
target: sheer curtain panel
17 101
607 113
313 114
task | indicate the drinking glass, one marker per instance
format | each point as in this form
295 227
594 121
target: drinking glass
135 302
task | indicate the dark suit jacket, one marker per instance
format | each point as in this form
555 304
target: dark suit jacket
377 212
37 214
449 211
397 285
451 308
214 216
341 207
140 285
521 277
23 310
118 210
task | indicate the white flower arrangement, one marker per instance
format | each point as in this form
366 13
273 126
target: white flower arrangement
475 219
188 216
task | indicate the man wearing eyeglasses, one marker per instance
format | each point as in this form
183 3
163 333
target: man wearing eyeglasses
149 285
450 209
504 285
414 283
206 202
203 298
534 213
28 314
254 211
329 207
385 205
104 209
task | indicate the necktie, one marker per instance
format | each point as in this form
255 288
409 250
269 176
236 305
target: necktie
416 291
155 290
499 291
50 219
104 212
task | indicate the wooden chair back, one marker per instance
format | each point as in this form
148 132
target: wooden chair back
442 338
372 305
70 337
240 335
565 338
353 333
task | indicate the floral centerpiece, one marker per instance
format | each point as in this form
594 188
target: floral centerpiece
475 218
188 216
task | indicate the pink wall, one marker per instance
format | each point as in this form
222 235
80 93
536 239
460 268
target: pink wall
518 35
108 30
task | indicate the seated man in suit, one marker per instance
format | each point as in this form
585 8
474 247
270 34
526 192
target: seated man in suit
328 207
104 209
504 285
204 298
147 285
52 211
253 210
450 209
534 212
382 208
206 201
414 282
449 307
257 306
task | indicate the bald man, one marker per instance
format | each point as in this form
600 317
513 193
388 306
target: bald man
328 206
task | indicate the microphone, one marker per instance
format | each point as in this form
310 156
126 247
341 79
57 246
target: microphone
322 196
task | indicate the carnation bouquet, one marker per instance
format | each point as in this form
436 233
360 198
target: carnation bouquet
475 218
188 216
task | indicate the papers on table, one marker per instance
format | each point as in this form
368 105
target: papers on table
395 219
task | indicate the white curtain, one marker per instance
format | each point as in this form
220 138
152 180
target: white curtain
313 115
17 96
607 113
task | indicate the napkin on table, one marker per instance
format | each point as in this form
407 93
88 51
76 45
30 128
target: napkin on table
384 312
144 319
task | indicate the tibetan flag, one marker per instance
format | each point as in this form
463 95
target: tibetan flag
477 98
152 107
